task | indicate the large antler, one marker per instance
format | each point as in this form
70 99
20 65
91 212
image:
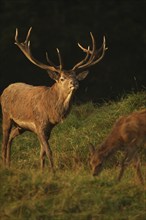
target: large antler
25 48
95 55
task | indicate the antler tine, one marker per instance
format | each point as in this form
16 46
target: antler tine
94 54
103 48
49 61
93 43
28 35
84 60
93 48
25 48
84 49
60 60
88 51
16 35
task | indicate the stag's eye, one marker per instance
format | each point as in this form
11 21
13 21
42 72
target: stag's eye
62 79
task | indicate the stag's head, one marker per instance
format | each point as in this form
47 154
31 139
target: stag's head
66 79
95 161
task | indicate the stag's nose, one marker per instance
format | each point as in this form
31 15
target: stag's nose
74 84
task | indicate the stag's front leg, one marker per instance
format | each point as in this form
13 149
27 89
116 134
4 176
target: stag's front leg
7 124
45 151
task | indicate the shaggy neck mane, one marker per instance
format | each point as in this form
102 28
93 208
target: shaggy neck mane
59 103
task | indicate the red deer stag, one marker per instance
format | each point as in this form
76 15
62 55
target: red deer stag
128 135
39 108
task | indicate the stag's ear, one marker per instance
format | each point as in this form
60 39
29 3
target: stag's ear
91 149
82 75
53 75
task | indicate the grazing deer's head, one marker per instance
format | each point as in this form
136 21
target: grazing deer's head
66 79
95 161
128 135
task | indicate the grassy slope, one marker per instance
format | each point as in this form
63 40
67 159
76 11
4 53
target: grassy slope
26 193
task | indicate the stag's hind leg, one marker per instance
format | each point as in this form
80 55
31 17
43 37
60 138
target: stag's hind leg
6 129
15 131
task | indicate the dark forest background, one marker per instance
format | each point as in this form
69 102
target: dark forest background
62 24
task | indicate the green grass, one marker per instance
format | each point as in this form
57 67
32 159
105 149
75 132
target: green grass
72 193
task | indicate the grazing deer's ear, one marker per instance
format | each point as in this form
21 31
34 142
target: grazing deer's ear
82 75
53 75
91 149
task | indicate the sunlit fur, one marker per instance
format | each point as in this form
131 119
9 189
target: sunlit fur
37 109
128 135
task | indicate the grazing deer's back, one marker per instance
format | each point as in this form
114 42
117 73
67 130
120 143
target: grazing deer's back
128 129
132 128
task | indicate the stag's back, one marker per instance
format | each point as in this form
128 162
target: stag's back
19 100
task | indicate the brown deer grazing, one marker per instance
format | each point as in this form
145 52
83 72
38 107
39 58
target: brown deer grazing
128 135
39 108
